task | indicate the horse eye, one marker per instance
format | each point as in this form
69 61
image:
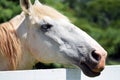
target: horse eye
45 27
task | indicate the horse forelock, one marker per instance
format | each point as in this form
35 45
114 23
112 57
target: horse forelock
42 10
9 44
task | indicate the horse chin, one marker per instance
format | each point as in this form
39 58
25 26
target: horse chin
87 71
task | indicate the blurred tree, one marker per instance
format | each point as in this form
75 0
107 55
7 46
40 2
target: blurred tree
8 9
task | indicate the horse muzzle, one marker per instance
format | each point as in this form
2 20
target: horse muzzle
94 63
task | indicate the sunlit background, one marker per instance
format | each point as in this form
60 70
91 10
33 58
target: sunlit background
99 18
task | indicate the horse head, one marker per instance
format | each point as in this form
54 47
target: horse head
52 38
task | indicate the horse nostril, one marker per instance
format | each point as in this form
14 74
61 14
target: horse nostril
96 56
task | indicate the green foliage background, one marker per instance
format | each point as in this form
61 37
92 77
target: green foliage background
99 18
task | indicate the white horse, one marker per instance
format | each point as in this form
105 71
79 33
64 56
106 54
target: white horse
40 33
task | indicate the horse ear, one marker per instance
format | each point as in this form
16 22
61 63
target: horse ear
37 2
26 5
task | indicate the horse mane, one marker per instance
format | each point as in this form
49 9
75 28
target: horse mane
44 10
10 46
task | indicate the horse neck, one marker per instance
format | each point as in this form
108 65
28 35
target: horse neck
27 60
